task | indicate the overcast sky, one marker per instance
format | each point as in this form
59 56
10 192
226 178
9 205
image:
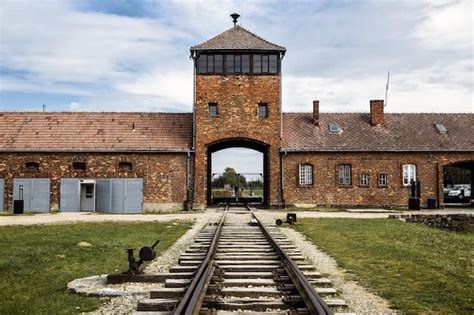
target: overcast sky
134 55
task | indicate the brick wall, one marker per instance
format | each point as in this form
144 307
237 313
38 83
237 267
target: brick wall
326 191
164 175
237 98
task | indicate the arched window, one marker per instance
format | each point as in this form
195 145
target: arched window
79 166
32 166
125 166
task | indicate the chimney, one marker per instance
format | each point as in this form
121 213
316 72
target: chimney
316 112
376 112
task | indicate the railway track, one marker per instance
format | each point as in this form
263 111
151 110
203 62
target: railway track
238 265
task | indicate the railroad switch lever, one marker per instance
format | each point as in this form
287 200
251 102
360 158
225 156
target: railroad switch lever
146 253
290 219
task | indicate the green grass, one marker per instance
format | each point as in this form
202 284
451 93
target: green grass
417 268
36 262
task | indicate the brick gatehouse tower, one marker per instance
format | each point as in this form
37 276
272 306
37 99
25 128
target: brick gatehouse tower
237 103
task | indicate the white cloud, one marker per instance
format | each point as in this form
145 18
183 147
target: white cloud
337 52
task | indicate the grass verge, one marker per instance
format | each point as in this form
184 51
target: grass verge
36 262
417 268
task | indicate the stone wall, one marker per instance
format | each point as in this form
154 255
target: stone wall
164 175
326 191
451 222
237 98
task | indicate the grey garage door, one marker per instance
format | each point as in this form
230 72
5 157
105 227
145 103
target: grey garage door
120 195
36 193
70 191
2 193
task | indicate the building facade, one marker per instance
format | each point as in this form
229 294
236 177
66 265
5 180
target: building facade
153 162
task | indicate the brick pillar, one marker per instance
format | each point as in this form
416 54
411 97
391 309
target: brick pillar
376 112
316 112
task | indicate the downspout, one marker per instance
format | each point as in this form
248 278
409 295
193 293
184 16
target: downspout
191 187
188 177
282 180
437 186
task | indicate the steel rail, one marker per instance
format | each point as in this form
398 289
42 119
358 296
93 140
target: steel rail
311 298
192 300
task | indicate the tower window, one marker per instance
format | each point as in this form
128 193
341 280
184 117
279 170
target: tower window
218 63
202 64
230 63
257 63
364 179
262 110
210 63
245 63
213 110
273 64
382 179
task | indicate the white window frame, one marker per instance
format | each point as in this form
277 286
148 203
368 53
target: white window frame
409 174
305 175
344 174
364 179
383 179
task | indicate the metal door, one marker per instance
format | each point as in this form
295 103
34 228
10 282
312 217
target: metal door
118 195
2 193
133 201
36 193
70 190
104 195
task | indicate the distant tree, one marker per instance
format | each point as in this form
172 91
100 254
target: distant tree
230 177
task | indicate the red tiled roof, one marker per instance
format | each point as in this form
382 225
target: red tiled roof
400 132
76 131
237 38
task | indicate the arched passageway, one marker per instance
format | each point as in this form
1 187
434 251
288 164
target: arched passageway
458 180
230 178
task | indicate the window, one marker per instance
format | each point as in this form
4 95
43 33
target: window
79 166
237 63
262 110
334 128
344 177
364 179
245 63
305 174
382 179
230 63
273 64
202 64
409 174
89 191
125 166
218 63
213 110
32 166
257 63
210 63
441 128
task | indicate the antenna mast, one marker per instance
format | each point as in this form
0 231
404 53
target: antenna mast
386 89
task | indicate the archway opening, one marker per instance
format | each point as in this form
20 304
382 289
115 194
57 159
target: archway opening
237 172
458 180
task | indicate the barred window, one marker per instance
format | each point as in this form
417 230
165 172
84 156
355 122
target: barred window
305 174
382 180
32 166
344 177
262 110
213 110
125 166
79 166
409 174
364 179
